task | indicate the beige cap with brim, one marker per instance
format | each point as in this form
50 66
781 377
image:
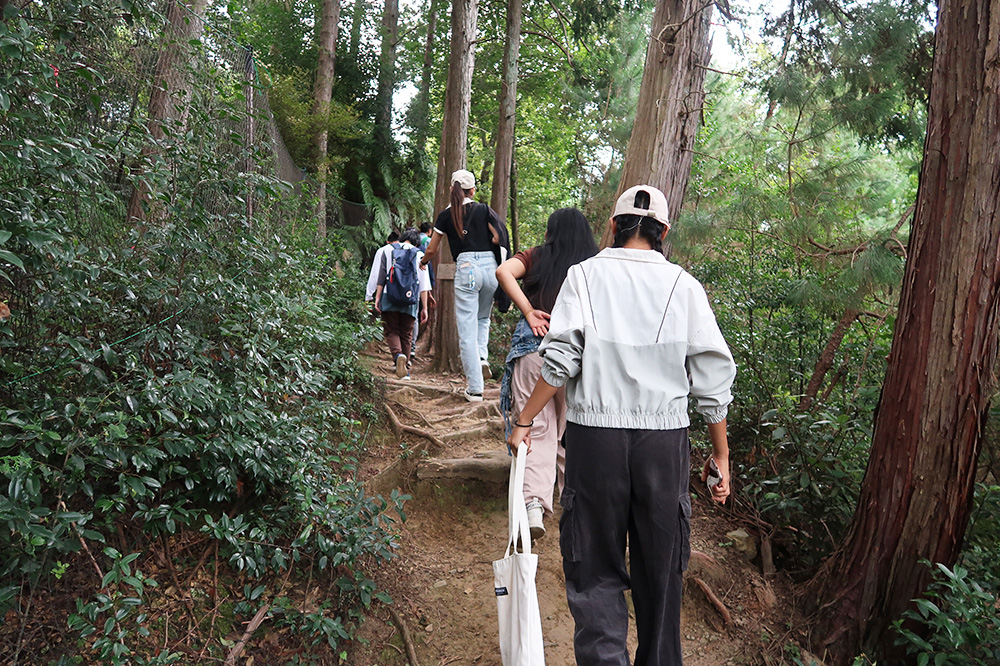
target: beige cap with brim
657 204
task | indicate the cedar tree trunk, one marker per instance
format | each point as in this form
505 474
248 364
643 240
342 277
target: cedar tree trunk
916 496
421 114
386 79
500 197
454 134
670 103
322 93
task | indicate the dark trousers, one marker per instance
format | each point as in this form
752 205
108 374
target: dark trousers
625 487
398 330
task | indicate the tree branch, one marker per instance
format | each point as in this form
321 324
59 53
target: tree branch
552 39
712 69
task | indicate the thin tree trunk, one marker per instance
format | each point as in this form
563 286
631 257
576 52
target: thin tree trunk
670 103
420 120
500 196
916 495
454 136
515 224
357 18
167 100
458 97
826 359
421 117
250 92
322 94
386 78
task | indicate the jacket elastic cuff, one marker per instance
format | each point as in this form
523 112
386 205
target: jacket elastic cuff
551 377
715 414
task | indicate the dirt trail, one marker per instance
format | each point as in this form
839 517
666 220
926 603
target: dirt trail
449 455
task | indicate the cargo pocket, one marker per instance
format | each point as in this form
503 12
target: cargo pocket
684 531
569 538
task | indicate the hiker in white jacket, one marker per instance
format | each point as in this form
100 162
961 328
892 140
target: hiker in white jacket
631 336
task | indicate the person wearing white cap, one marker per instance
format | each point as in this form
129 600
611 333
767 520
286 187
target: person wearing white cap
631 336
477 238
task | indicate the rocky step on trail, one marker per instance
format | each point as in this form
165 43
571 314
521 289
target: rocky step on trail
449 455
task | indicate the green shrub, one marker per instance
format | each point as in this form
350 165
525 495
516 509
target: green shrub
194 374
804 479
960 621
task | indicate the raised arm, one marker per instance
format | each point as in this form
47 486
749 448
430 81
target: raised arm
508 274
432 248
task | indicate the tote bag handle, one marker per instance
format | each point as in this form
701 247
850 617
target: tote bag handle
517 513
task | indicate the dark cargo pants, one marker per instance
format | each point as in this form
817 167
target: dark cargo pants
625 487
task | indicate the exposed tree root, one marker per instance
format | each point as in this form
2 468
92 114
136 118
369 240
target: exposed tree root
419 386
411 651
481 430
415 412
401 427
715 601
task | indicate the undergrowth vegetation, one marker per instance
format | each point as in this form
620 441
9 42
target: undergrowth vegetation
183 407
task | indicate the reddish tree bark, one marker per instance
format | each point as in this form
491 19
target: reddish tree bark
917 492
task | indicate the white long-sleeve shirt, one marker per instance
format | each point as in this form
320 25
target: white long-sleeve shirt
631 336
373 274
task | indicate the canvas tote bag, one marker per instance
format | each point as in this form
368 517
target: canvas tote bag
514 581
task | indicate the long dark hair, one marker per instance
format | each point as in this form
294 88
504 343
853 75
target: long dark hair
646 228
568 241
457 208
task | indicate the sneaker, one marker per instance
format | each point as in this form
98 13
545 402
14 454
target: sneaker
535 525
473 397
400 366
406 378
487 373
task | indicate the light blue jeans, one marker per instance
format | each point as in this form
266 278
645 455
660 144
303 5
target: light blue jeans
475 282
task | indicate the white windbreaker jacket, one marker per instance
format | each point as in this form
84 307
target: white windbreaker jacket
631 336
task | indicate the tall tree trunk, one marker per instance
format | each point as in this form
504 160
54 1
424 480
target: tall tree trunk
322 94
386 79
670 102
357 18
515 223
454 136
250 137
825 361
168 99
916 495
500 197
421 115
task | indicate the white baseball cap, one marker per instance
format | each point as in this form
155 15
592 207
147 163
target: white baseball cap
464 178
657 204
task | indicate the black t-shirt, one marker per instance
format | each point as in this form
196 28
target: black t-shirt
475 224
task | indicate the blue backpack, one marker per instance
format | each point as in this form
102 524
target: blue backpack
402 286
